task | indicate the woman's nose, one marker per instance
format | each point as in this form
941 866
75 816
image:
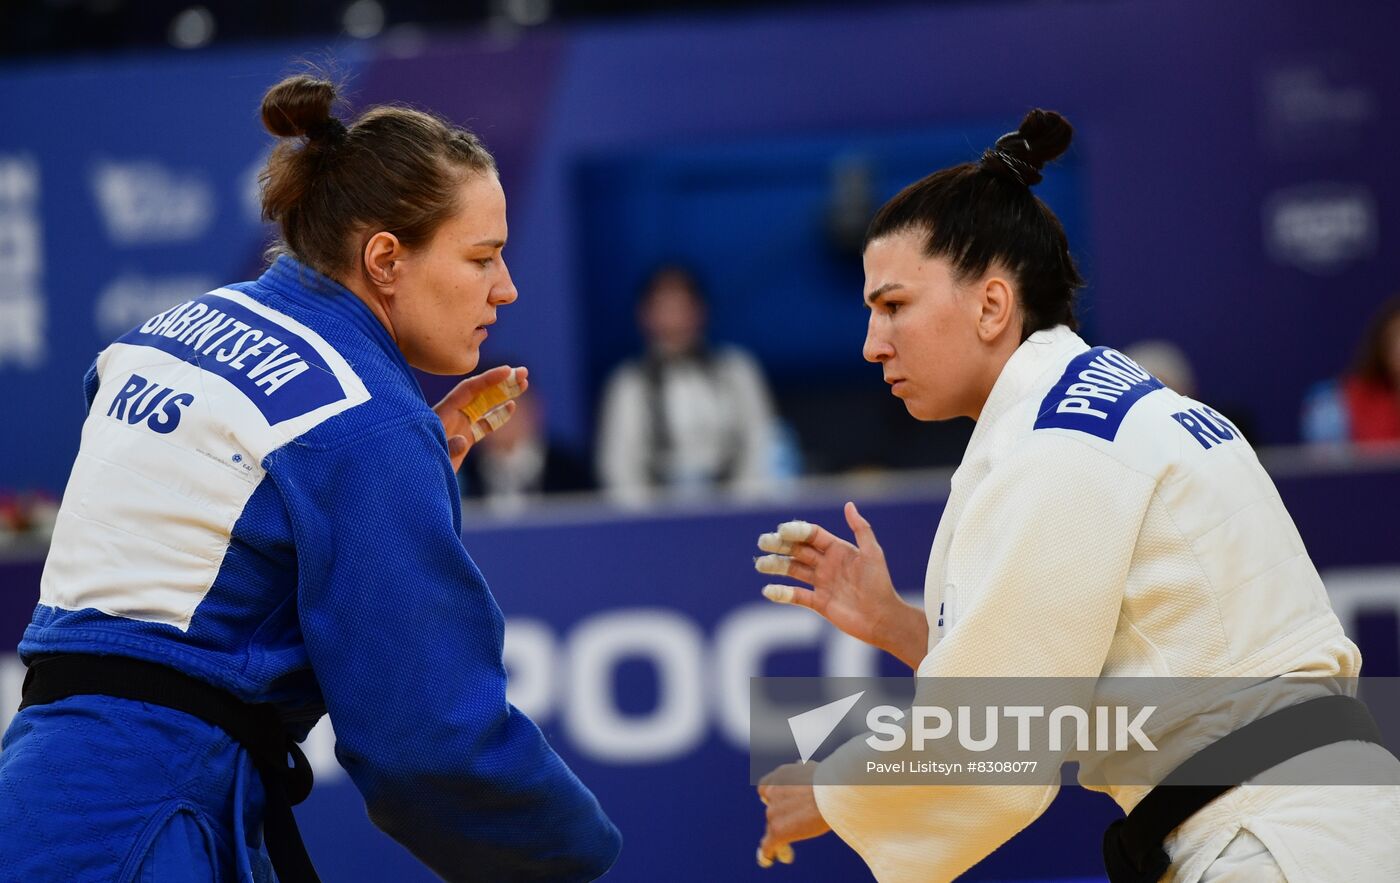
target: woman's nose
877 348
503 292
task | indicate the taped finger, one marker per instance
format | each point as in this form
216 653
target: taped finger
785 854
778 594
492 421
772 542
796 531
775 565
492 397
764 861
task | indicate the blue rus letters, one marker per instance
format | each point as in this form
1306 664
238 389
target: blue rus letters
142 400
1207 426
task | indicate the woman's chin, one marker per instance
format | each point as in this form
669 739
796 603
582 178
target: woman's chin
914 407
923 412
455 364
469 363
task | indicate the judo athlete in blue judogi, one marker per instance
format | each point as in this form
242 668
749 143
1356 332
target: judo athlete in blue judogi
262 526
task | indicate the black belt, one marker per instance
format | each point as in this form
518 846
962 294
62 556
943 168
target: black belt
257 728
1132 846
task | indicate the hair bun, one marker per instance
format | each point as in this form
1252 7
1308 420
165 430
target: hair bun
1021 155
301 105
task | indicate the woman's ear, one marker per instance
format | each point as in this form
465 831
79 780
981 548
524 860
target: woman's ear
380 260
999 311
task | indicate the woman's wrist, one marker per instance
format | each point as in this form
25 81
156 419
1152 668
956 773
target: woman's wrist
904 633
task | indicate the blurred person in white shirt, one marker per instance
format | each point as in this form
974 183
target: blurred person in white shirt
684 416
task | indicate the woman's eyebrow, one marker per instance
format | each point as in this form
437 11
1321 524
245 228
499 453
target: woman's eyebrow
880 292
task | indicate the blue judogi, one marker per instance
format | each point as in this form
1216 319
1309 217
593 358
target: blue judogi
263 500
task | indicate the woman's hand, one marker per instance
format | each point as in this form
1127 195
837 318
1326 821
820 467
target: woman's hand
851 584
456 423
792 813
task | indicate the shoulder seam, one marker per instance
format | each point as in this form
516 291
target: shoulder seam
1100 452
396 422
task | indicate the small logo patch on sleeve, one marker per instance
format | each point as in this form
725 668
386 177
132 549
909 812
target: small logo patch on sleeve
1096 392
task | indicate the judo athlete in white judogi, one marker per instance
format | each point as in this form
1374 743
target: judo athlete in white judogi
1100 524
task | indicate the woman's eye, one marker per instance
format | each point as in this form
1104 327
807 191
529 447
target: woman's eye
483 263
893 308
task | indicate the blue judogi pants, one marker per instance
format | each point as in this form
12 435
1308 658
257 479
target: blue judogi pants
105 789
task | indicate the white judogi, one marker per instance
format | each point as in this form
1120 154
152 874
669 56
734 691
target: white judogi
1102 524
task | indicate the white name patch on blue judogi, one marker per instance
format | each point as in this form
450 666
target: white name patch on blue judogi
189 405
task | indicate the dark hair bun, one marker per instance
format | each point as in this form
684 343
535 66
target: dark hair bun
1021 155
299 105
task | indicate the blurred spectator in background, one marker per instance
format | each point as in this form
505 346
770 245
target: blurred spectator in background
1165 361
1169 363
518 462
1363 406
684 416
